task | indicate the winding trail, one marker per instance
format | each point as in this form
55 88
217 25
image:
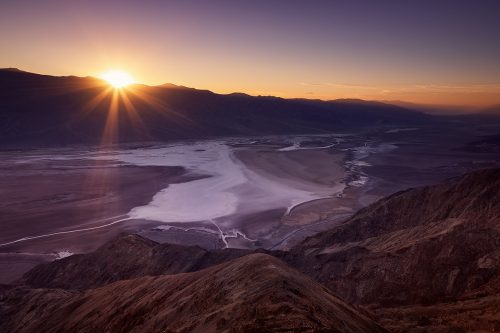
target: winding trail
69 231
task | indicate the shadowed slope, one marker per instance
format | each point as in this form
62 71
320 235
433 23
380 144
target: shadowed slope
416 246
126 257
254 293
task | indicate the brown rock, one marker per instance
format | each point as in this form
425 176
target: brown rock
255 293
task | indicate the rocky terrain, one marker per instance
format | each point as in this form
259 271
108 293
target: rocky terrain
416 246
422 260
254 293
426 259
126 257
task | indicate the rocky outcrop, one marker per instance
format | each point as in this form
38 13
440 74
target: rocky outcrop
126 257
254 293
422 246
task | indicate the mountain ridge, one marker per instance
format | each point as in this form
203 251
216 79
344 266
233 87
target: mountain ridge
401 232
42 109
254 293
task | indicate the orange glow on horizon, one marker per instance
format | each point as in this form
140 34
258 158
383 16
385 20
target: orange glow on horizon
117 78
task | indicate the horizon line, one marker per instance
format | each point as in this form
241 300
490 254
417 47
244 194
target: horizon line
429 107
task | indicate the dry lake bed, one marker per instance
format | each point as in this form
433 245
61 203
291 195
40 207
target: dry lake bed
268 192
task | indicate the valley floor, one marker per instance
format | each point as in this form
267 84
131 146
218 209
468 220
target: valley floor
266 192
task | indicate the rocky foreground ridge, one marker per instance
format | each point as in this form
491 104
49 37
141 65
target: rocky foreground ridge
254 293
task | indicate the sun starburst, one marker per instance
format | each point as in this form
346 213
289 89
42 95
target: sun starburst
117 78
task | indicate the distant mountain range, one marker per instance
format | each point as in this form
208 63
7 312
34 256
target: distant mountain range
445 110
423 260
49 110
492 109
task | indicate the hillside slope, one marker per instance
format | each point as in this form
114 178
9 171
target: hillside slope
126 257
417 246
255 293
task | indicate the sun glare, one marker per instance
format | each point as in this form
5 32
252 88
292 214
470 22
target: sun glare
118 78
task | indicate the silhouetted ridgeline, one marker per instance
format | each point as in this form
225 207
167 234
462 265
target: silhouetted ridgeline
45 109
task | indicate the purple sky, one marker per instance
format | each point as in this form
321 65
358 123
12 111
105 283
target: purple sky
435 52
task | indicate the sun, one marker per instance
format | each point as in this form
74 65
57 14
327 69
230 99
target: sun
117 78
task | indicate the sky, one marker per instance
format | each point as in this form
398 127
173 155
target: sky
429 52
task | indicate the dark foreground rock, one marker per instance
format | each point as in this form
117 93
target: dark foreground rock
254 293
